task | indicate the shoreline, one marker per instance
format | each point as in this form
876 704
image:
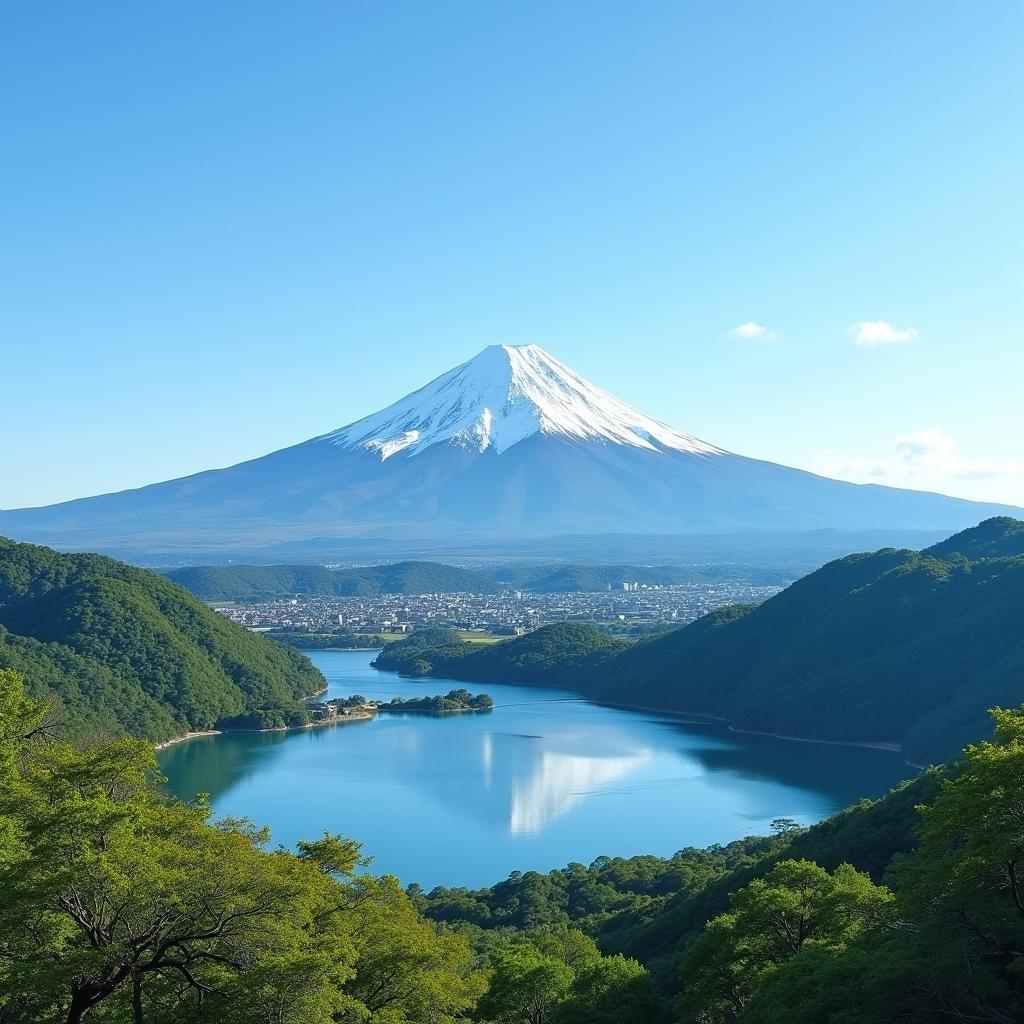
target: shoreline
888 747
399 710
893 748
333 650
340 720
198 733
362 716
163 744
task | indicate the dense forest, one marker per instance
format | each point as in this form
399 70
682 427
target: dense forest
127 651
453 700
269 582
894 646
119 903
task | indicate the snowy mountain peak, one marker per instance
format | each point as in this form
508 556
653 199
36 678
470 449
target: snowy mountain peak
500 397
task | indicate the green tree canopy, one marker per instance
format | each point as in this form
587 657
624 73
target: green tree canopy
526 986
965 887
797 906
120 903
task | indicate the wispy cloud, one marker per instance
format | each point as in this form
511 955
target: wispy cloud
927 457
751 331
881 332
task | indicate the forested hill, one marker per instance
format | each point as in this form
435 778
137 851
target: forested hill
894 646
128 651
268 582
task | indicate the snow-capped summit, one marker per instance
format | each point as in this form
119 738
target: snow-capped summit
501 396
510 444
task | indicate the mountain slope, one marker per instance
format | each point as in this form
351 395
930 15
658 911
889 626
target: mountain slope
504 395
511 444
127 651
267 582
891 647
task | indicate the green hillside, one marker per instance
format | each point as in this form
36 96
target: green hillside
1001 537
127 651
561 651
269 582
890 647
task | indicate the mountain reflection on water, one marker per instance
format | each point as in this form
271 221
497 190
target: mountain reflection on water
544 779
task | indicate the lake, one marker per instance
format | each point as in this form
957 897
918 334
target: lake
544 779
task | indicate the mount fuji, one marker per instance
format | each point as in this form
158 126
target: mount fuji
510 444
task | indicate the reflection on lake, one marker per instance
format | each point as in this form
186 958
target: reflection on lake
544 779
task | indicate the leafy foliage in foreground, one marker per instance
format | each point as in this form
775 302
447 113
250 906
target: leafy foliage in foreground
947 944
119 903
798 906
896 646
127 651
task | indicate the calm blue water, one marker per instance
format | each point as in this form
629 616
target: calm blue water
545 779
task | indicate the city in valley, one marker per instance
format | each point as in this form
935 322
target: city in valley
633 607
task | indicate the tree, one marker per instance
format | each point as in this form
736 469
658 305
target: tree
407 968
526 986
611 990
876 981
114 893
120 903
965 887
796 906
784 826
576 950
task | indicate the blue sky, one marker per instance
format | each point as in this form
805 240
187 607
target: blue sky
229 227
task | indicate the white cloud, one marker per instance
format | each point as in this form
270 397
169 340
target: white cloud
751 331
881 332
925 450
929 459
